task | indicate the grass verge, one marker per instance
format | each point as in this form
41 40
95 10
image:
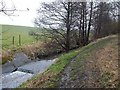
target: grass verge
49 78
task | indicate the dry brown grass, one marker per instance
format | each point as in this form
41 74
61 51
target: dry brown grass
107 61
30 50
38 49
105 64
6 56
38 83
98 68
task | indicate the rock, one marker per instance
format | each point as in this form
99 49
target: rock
20 59
8 67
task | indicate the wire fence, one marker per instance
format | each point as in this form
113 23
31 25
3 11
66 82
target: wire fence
11 42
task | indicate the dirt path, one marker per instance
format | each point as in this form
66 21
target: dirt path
99 70
85 76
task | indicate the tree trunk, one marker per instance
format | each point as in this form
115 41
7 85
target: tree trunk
68 29
89 25
83 26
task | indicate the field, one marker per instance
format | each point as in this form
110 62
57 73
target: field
8 31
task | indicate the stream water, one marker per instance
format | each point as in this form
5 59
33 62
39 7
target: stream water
20 69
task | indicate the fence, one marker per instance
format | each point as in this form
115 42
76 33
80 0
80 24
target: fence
19 39
11 42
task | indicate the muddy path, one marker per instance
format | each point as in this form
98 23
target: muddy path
85 76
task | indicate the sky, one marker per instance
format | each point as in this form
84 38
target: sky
23 17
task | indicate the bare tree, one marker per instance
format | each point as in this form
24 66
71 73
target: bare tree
90 21
102 19
118 5
69 23
83 23
56 18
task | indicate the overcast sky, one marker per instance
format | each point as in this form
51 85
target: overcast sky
25 18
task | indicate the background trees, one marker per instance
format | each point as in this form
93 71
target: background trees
102 19
56 18
71 24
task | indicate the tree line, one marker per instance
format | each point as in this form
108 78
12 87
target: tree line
71 24
74 24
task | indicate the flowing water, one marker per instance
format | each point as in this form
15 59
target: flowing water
21 69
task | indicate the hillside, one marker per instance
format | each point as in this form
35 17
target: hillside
95 65
8 31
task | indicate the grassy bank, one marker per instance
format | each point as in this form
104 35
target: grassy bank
99 64
50 77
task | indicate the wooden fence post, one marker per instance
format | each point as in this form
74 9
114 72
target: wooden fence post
13 41
19 40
